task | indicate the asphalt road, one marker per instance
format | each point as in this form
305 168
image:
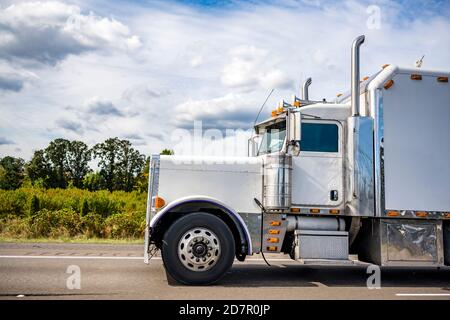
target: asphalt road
38 271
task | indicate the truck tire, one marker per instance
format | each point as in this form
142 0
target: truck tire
198 249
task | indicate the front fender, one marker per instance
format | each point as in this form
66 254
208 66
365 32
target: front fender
204 199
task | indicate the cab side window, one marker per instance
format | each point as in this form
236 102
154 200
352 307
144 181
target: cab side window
320 137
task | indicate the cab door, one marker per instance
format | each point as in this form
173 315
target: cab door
317 178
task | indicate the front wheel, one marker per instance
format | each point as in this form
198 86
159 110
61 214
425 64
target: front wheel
198 249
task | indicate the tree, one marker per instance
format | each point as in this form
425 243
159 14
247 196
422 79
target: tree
108 153
39 169
130 165
119 163
78 157
168 152
11 172
56 153
94 181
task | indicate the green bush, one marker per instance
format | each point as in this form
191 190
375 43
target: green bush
36 212
35 205
84 207
125 225
53 224
13 202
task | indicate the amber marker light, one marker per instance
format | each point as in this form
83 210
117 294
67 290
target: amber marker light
393 213
388 84
159 202
421 214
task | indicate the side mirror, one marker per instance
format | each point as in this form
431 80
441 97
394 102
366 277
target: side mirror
294 131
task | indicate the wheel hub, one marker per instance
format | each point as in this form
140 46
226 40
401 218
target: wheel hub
199 249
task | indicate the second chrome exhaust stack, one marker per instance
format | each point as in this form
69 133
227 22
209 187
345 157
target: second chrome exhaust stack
305 88
355 75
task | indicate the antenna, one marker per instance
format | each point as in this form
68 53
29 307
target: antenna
419 62
260 109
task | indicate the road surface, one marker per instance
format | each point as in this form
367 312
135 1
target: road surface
39 271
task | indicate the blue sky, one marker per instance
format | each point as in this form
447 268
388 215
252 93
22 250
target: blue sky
139 70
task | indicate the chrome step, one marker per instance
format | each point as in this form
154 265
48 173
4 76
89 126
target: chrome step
332 262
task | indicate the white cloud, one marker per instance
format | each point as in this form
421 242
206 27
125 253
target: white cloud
96 106
47 32
250 67
163 65
229 111
70 125
14 79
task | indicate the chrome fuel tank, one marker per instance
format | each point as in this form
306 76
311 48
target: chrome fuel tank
277 190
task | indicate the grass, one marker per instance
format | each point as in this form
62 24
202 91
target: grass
80 240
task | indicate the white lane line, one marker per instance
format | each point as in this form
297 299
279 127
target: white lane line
115 258
75 257
423 294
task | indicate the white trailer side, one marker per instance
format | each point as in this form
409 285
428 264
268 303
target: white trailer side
413 127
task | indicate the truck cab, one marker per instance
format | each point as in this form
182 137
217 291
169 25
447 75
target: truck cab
318 163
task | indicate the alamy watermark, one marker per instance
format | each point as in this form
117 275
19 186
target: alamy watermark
73 282
374 20
374 279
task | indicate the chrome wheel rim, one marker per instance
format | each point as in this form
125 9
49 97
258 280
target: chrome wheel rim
199 249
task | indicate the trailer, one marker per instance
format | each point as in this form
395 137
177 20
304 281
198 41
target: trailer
367 174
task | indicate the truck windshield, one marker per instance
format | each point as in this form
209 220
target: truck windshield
273 138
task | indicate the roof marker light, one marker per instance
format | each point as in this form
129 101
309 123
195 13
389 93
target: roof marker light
388 84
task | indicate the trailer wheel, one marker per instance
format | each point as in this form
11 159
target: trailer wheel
198 249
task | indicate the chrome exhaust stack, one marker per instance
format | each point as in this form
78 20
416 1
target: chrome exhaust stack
355 75
360 147
305 93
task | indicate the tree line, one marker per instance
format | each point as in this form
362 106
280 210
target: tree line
65 163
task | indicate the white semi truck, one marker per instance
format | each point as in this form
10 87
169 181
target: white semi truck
367 175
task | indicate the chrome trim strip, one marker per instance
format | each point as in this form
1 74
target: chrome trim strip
153 183
378 152
411 214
